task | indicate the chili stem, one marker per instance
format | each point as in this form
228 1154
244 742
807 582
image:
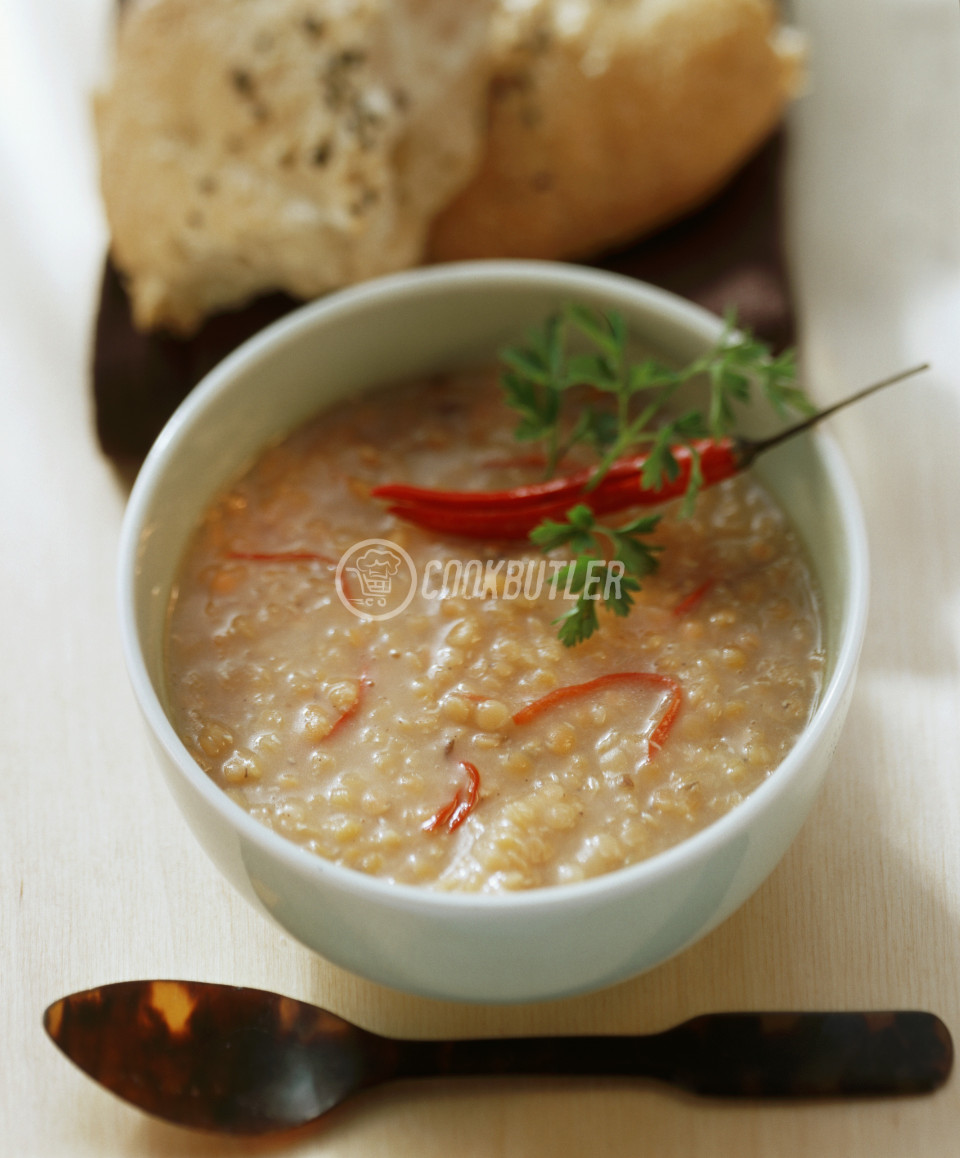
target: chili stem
513 513
749 449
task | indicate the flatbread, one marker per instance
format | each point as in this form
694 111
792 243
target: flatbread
253 145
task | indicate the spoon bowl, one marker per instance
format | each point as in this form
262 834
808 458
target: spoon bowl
245 1061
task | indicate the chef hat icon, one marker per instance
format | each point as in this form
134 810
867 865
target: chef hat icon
379 562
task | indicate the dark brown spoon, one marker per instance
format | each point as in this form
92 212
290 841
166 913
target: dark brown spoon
244 1061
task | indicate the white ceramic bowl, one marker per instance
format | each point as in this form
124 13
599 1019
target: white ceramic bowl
527 946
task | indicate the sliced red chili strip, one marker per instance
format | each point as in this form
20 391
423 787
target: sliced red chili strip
573 691
456 812
689 602
441 817
658 737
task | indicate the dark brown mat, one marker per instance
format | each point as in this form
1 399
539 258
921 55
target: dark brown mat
727 254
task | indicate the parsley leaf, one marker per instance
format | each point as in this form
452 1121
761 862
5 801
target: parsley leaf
584 347
621 556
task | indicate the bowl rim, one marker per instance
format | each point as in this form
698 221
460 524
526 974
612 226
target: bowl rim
475 275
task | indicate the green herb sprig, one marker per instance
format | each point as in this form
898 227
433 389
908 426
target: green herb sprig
582 534
580 347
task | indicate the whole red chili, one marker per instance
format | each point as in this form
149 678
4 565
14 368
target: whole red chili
514 513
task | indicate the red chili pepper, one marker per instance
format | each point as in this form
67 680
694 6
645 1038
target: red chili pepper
513 513
456 812
533 494
572 691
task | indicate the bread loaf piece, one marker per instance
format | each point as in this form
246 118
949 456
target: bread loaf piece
608 118
302 145
253 145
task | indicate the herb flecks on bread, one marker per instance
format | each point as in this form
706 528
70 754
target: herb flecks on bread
254 145
302 145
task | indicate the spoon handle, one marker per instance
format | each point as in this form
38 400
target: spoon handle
779 1055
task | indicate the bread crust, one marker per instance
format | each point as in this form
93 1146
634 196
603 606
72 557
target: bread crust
249 146
254 145
607 123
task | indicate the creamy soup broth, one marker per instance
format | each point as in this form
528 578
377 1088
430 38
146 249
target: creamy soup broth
364 740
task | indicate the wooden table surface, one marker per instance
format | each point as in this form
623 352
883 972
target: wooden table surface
100 879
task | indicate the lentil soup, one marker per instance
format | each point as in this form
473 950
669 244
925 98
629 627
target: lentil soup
457 743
